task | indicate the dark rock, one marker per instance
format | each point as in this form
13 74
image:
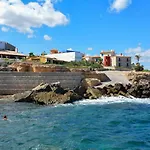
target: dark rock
94 93
143 96
132 92
128 86
109 86
42 87
146 92
23 97
60 90
104 90
80 90
120 87
48 98
144 81
56 87
122 94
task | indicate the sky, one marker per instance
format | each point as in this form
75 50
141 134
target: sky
88 26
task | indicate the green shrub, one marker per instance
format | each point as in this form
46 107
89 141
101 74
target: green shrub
138 67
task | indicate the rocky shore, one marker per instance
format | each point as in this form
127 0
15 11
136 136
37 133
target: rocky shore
90 88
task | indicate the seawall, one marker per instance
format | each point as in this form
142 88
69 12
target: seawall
16 82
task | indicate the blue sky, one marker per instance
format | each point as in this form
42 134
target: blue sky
41 25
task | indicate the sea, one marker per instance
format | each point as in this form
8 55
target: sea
101 124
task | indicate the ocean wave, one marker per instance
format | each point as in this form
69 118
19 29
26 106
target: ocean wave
106 100
111 100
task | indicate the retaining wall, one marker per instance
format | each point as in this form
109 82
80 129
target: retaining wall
101 76
15 82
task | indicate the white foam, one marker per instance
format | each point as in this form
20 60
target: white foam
111 100
106 100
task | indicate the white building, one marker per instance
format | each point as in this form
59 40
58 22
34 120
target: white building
9 51
111 60
66 56
6 46
121 61
107 53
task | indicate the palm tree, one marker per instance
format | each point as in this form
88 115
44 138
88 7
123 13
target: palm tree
137 58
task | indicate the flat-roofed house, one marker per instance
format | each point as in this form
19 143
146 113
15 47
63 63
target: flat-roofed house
113 61
92 58
7 46
120 61
68 56
9 51
11 55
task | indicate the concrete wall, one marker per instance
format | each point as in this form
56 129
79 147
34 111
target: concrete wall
15 82
101 76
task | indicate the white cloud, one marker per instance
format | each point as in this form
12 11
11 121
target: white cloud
133 50
145 54
90 49
47 38
25 17
119 5
5 29
31 36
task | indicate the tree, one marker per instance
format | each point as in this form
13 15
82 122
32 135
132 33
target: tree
137 57
31 54
138 67
43 53
100 61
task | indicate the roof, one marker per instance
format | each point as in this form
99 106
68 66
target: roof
6 52
107 52
121 56
92 56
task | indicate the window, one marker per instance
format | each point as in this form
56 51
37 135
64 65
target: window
119 59
127 65
119 65
127 59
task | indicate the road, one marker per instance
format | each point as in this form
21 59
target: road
116 77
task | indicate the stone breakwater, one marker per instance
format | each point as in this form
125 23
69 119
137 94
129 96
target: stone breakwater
90 89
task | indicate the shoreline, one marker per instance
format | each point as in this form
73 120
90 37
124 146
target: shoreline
135 85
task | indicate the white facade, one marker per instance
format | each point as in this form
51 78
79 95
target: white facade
68 56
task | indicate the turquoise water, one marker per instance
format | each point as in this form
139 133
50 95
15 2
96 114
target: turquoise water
105 124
